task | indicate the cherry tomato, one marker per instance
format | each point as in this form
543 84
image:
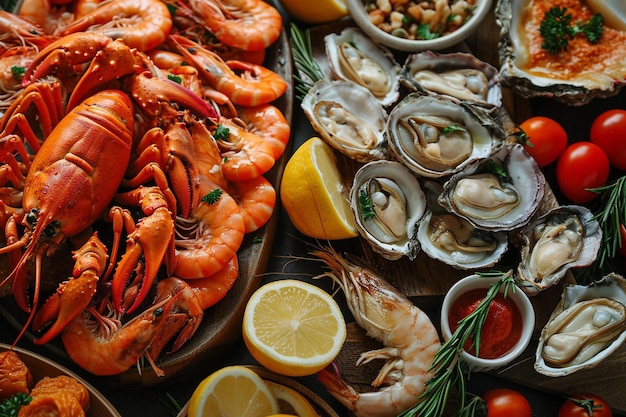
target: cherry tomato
504 402
608 131
579 406
547 137
582 165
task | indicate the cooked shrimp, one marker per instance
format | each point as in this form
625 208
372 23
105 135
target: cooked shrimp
256 198
209 157
245 155
247 24
268 122
245 84
213 288
17 30
208 240
410 340
11 61
141 24
103 346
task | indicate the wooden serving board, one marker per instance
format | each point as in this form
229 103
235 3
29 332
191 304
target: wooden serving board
426 280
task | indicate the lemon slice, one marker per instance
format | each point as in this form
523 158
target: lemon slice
293 328
232 391
290 401
313 195
324 10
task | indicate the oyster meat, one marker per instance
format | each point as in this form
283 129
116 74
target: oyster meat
348 117
388 202
574 76
435 137
587 326
565 237
454 241
499 193
354 56
458 75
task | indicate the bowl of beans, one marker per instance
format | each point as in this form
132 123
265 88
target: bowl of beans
508 326
413 26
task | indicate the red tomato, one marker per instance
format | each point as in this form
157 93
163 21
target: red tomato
548 139
608 131
504 402
582 165
580 404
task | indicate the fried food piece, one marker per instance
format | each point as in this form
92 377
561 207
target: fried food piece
61 396
14 375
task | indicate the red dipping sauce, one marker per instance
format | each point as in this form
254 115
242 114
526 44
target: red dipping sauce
502 328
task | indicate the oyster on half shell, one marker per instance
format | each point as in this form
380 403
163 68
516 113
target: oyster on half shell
563 238
455 241
588 325
575 76
388 202
354 56
435 137
498 193
459 75
348 117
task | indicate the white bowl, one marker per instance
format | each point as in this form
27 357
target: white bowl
358 13
520 299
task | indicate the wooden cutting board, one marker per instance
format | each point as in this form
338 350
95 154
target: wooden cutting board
426 280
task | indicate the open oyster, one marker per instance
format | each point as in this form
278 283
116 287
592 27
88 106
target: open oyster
459 75
435 137
587 326
499 193
354 56
348 117
454 241
565 237
575 76
388 202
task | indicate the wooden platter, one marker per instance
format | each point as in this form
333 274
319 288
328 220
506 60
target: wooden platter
426 280
221 324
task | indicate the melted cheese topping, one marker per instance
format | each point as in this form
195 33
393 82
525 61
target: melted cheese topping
582 60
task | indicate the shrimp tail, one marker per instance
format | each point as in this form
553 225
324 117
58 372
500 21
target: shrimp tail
330 377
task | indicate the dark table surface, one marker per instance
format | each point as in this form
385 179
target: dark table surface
289 244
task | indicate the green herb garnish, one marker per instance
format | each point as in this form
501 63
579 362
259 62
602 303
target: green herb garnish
176 78
367 209
212 196
10 407
557 29
452 128
496 168
424 33
448 368
310 72
17 70
221 133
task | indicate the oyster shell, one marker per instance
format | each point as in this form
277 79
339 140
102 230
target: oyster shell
500 193
435 137
348 117
563 238
587 326
458 75
574 77
454 241
388 202
354 56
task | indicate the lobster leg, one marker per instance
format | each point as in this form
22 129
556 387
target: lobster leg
73 296
152 238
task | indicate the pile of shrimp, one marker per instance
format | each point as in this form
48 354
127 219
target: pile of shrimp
216 49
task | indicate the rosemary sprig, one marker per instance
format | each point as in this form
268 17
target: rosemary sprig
610 215
448 368
308 69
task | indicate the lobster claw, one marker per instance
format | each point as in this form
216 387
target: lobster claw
151 238
74 295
